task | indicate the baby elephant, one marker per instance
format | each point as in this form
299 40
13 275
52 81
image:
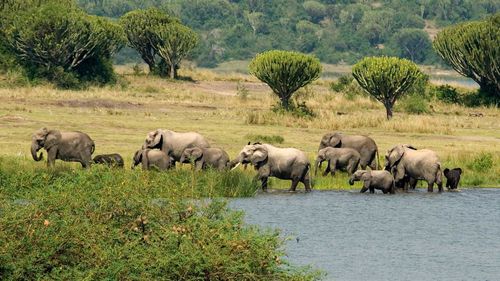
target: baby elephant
452 177
204 158
338 158
111 160
152 158
372 180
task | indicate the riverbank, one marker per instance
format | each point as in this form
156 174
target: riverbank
232 109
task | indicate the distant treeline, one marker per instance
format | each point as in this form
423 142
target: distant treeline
334 30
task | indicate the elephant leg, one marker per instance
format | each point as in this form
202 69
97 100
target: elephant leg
86 159
198 165
295 181
264 183
328 168
372 190
363 189
51 157
430 186
307 183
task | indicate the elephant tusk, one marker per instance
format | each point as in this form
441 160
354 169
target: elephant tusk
236 166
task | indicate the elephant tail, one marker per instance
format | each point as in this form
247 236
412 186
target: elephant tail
92 148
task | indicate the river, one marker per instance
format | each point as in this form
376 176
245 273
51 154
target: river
406 236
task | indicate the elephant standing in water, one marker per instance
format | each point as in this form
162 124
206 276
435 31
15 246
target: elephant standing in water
66 146
283 163
341 158
364 145
173 143
204 158
406 162
372 180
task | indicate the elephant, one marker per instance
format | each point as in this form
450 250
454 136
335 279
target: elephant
382 180
111 160
452 177
283 163
152 158
404 160
67 146
366 147
173 143
341 158
204 158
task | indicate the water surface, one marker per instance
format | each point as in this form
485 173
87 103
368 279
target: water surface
408 236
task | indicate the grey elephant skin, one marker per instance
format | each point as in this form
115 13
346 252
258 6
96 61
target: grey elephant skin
67 146
416 164
452 177
337 158
204 158
381 180
366 147
110 160
152 158
173 143
283 163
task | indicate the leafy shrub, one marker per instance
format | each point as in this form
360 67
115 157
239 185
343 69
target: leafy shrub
265 139
107 224
447 94
414 104
342 83
482 162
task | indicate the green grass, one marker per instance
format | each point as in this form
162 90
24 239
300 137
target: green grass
114 224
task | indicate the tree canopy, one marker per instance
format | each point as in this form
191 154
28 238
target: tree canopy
386 78
473 50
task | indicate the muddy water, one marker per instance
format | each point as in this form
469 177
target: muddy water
413 236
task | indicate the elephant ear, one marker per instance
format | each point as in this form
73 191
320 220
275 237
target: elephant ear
335 140
409 146
395 155
53 138
137 157
157 138
259 155
459 170
196 153
399 172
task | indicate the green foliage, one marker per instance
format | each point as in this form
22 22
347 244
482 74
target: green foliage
108 224
346 30
273 139
285 72
386 78
413 44
64 45
342 83
415 104
447 94
473 50
481 163
161 40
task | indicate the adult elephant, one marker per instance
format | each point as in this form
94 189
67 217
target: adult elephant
283 163
66 146
173 143
407 163
364 145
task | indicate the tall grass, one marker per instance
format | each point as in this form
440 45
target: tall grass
107 224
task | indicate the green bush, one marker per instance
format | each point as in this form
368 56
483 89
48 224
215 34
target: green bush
342 83
447 94
481 163
415 105
64 45
110 224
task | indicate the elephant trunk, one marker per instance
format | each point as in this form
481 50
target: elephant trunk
317 166
182 159
351 181
234 163
34 150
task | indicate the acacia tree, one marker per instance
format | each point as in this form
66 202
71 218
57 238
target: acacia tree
386 78
412 43
285 72
473 50
161 40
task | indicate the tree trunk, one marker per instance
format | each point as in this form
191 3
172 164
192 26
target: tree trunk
285 102
173 72
388 110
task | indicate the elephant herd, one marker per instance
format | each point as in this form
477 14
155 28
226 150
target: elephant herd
404 164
